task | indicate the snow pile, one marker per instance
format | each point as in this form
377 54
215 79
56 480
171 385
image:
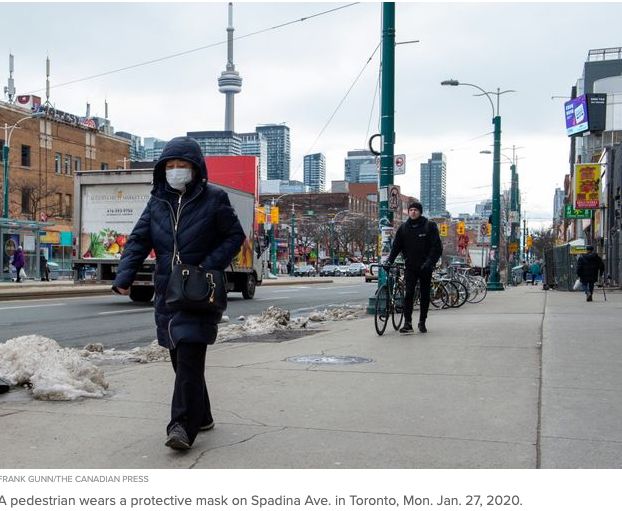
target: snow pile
346 312
142 355
53 373
270 320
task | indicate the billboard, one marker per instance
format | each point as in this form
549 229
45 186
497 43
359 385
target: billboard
587 185
585 113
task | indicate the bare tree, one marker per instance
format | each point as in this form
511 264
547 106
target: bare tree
30 199
543 240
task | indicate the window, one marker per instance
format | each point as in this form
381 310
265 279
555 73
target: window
77 163
25 201
67 166
25 156
104 166
58 158
68 205
59 204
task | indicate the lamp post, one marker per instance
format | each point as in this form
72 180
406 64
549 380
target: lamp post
8 132
494 283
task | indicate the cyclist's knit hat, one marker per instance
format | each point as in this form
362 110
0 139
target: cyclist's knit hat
416 205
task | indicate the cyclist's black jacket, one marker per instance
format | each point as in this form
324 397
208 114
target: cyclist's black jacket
419 243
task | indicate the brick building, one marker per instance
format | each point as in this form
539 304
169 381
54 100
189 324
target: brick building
45 152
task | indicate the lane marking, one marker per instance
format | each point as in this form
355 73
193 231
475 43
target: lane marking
32 306
123 312
271 299
348 293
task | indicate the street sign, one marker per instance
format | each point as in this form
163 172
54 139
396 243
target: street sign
570 212
399 164
395 199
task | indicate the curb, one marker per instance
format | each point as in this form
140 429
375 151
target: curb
275 282
53 293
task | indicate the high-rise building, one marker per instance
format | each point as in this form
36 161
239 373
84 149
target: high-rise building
153 148
315 172
433 185
217 143
255 144
137 150
360 167
484 209
230 81
558 205
277 136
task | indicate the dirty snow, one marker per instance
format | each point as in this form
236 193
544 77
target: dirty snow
55 373
51 372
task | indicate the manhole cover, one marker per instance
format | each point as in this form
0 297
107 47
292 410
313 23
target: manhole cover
329 359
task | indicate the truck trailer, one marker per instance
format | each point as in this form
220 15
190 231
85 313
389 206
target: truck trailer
107 205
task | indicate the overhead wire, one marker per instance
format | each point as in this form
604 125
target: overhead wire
194 50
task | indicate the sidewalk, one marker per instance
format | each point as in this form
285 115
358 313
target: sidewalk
523 380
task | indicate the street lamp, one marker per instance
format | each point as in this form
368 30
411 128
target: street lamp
8 132
494 283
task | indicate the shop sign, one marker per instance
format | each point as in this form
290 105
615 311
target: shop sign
587 186
51 237
570 212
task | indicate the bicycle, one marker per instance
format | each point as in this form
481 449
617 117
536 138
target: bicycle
390 301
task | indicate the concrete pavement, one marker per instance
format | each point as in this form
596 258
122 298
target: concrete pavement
525 379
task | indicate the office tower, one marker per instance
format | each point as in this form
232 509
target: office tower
433 186
277 136
315 172
255 144
360 167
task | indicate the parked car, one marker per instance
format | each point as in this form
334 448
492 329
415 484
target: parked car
341 271
356 270
305 271
328 270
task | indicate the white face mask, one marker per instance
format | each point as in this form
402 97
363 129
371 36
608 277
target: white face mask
178 178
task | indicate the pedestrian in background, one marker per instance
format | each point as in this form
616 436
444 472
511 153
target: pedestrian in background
418 240
589 266
19 263
44 269
535 271
525 269
190 221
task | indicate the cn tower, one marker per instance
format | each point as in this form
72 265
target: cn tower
230 81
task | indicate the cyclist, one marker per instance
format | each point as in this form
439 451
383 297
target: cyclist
420 244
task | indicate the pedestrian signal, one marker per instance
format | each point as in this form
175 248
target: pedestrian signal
460 228
444 229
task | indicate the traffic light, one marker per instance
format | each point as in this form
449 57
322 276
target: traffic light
261 215
529 241
274 214
460 228
488 229
444 230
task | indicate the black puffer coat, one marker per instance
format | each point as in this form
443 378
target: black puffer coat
208 234
589 266
420 244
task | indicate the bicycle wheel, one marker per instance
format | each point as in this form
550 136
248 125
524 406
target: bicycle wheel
453 294
463 293
397 314
438 296
381 317
480 294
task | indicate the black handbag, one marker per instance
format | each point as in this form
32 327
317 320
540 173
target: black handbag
196 289
193 288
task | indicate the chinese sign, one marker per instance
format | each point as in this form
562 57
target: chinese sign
587 186
570 212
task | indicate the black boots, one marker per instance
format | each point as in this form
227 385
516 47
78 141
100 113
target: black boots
422 327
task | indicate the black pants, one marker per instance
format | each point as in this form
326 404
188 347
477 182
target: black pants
411 277
190 406
588 287
18 279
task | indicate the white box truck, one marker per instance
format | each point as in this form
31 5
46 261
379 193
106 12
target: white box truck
107 205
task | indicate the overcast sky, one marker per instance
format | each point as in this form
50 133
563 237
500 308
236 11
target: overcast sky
298 74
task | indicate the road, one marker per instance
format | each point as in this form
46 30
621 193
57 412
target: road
117 322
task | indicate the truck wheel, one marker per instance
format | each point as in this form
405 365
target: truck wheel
141 293
248 291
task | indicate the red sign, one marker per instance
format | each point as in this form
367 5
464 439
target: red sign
238 172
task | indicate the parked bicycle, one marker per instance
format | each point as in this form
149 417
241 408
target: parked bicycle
390 300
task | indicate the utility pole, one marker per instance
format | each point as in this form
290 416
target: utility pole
387 131
292 244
